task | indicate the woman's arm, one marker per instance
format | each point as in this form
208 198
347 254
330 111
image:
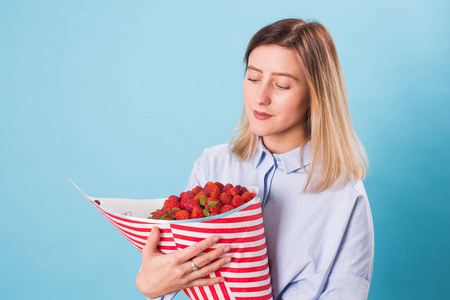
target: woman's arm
162 274
348 278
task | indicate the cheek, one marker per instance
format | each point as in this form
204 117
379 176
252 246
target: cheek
247 97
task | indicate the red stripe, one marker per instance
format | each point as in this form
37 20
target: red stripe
249 259
245 270
192 292
162 239
202 291
120 230
164 230
236 219
212 289
265 297
137 228
144 229
219 230
249 279
141 245
250 289
253 206
222 241
248 249
233 250
222 287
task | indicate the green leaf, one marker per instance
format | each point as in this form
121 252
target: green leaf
171 216
202 200
175 208
212 203
162 218
206 212
151 217
152 212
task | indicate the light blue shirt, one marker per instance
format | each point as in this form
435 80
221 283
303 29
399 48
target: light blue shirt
321 245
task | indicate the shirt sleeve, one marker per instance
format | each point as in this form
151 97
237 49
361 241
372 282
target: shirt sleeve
165 297
351 272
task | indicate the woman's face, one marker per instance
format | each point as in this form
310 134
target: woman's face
276 97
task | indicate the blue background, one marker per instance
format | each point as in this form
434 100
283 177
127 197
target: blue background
123 96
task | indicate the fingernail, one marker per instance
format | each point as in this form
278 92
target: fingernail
227 260
216 239
226 249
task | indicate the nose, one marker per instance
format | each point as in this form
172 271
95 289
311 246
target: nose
263 97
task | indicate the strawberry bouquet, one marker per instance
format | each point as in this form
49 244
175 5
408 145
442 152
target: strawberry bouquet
193 216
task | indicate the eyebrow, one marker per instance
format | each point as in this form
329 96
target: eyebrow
273 73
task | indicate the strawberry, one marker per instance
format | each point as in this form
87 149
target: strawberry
197 212
209 186
215 192
242 190
233 192
170 205
213 205
197 190
226 208
227 187
173 197
97 201
225 198
219 185
199 195
157 214
213 214
246 196
238 187
253 195
189 195
237 201
190 204
183 202
182 215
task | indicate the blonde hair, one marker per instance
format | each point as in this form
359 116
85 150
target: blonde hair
337 155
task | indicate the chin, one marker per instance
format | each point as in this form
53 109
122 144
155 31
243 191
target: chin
259 131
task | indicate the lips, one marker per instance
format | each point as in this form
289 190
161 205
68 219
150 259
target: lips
261 115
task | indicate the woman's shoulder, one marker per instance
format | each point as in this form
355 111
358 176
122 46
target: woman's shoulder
218 149
221 151
352 190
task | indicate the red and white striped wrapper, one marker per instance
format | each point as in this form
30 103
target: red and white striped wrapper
247 276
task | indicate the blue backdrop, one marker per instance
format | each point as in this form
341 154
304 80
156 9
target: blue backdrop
123 96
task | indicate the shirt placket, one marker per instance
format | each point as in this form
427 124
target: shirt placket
271 167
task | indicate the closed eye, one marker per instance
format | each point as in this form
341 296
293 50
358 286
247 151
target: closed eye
282 87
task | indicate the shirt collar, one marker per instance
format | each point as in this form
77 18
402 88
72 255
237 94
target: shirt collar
289 161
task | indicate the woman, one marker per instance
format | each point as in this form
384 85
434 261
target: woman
295 141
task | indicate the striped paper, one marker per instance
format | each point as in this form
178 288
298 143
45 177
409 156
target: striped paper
247 276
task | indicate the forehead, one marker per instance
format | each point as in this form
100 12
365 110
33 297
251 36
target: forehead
274 58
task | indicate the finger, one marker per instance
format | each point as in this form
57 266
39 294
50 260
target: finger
203 260
206 281
200 273
152 242
196 249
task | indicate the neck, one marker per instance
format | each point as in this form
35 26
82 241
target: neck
278 146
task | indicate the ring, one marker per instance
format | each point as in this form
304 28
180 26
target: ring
194 267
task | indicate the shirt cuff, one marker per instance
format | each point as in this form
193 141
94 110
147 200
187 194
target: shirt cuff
165 297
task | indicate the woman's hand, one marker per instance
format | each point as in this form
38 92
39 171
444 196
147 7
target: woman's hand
162 274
